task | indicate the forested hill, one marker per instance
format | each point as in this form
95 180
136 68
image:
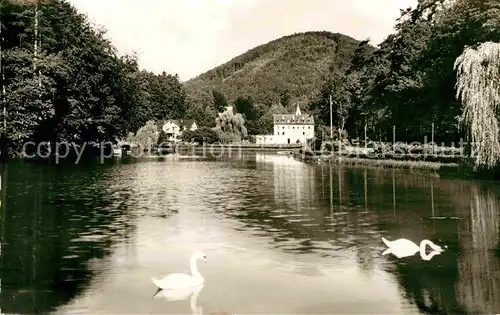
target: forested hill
289 69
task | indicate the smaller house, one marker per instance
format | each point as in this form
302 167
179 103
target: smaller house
174 128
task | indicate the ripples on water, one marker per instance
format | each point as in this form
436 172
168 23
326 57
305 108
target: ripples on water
281 236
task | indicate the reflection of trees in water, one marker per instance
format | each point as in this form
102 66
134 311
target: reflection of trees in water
152 196
55 222
463 279
350 213
430 285
479 286
323 209
318 209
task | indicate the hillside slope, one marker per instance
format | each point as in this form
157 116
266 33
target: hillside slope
293 65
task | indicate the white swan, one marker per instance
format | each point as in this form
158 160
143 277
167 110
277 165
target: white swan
404 248
179 280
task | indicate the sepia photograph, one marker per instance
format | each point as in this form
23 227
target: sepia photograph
254 157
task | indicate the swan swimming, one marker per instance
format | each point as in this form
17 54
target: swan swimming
178 280
404 248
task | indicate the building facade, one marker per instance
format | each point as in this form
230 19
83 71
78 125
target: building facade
289 129
174 128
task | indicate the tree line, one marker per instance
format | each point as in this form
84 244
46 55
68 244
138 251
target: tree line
408 85
62 80
439 70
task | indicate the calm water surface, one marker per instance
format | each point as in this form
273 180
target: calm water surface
281 237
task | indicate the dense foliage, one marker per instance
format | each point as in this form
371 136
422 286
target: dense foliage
407 86
230 127
63 81
403 91
478 86
146 137
201 135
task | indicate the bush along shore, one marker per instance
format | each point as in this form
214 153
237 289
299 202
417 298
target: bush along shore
423 165
449 166
425 162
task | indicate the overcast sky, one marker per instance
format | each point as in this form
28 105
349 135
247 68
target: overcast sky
189 37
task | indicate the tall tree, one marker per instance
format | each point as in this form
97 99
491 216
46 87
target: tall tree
220 101
337 88
478 87
360 79
231 127
77 88
250 113
165 95
201 108
246 107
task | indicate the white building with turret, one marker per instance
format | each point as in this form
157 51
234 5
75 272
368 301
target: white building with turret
289 129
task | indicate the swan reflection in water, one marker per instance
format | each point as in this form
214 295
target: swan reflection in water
181 294
405 248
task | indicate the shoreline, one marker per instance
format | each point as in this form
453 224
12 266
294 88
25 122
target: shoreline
417 165
242 146
292 151
436 164
396 164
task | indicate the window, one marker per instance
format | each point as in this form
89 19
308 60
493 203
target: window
304 133
309 127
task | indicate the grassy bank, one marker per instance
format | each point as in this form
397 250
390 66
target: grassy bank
389 163
431 166
447 166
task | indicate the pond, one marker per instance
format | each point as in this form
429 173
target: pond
280 236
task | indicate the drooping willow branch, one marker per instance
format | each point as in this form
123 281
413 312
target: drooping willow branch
231 127
478 88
